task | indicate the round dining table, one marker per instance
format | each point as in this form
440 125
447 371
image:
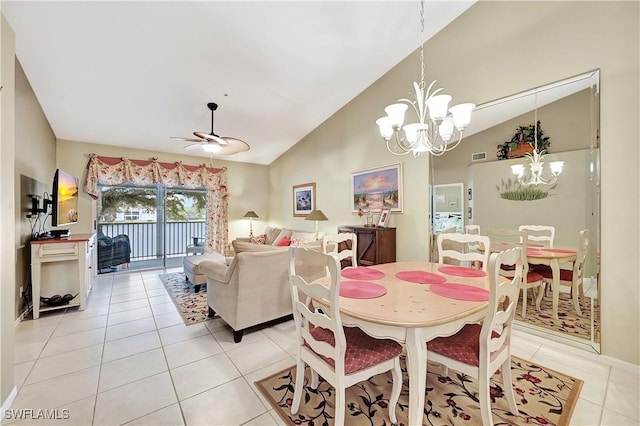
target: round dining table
410 311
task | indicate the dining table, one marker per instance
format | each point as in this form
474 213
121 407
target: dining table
413 303
552 257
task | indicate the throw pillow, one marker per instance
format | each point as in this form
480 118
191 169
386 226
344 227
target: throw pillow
271 233
284 242
283 233
303 236
245 246
258 239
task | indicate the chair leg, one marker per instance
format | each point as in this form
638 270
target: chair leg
507 383
315 379
524 302
484 397
577 293
539 297
340 403
298 389
396 376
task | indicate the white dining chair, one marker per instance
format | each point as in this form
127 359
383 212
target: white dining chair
456 246
573 278
343 244
531 280
343 356
479 350
541 234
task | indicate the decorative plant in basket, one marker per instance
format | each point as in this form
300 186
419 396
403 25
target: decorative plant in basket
512 190
524 142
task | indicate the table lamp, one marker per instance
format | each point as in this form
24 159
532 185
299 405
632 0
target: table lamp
250 214
316 215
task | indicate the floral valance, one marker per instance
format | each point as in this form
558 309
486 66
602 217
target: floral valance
117 171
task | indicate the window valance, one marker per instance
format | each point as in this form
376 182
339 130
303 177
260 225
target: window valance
117 171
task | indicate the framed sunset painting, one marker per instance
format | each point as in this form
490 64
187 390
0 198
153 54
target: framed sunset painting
377 189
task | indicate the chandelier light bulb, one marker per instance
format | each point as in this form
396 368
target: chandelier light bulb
211 147
438 107
556 167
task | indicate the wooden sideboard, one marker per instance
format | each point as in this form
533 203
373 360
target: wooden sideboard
375 245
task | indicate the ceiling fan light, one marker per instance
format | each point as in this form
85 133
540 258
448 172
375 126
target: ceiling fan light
211 147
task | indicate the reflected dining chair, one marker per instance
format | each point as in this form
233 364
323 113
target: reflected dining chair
457 246
531 280
343 356
479 350
331 243
574 277
541 234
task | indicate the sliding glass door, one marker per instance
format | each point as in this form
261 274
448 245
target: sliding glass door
157 226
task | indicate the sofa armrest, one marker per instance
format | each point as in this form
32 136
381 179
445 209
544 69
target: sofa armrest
245 239
218 271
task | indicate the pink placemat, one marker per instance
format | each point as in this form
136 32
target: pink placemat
361 290
420 277
559 250
461 271
533 252
461 292
362 273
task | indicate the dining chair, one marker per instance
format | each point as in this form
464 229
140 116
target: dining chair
479 350
573 278
542 234
343 356
331 243
456 246
531 279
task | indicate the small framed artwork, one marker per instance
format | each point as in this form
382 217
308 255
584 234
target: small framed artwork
377 189
469 194
469 213
304 199
385 214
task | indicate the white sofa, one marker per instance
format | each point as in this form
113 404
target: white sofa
253 288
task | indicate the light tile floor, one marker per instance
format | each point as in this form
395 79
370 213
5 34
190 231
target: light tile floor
129 359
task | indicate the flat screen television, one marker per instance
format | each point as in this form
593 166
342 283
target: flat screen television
64 203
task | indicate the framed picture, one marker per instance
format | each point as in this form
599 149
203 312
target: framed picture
304 199
469 194
384 217
377 189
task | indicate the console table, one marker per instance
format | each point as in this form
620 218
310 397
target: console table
62 266
375 245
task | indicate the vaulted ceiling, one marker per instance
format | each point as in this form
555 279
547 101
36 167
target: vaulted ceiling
135 73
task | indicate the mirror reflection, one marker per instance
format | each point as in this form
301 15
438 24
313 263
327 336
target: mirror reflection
561 121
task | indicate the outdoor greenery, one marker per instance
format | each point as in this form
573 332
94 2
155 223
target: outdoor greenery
524 134
181 204
512 190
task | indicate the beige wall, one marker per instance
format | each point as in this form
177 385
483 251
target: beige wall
7 209
248 183
493 50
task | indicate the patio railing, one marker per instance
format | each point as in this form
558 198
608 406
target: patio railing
149 241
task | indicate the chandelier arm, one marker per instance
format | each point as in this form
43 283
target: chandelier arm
402 151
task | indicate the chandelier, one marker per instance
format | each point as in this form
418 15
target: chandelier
536 165
436 133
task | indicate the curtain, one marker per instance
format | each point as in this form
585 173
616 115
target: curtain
117 171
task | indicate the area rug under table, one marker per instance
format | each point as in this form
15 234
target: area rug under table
544 397
191 306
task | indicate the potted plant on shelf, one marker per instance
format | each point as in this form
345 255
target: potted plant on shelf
524 142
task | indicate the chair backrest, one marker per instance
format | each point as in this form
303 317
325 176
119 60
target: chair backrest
495 335
305 315
542 234
331 243
462 242
504 239
472 229
583 250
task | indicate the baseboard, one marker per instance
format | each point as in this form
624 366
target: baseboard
22 315
9 401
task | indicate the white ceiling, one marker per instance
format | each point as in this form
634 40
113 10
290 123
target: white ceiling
134 74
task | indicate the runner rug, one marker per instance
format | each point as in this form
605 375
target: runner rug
191 306
544 397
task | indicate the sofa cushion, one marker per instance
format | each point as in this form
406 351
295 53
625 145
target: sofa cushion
283 242
272 233
243 246
304 236
283 233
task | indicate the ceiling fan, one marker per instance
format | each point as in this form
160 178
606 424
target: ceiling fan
212 143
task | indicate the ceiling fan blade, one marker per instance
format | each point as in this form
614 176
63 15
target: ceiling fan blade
197 145
185 139
210 137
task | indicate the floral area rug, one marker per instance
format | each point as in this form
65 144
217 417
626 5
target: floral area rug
568 321
192 306
544 397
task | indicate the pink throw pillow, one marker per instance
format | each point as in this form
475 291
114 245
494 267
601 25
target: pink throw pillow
284 242
258 239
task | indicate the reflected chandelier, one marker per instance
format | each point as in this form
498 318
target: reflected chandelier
535 162
437 133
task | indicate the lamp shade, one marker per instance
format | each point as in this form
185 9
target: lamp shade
251 214
316 215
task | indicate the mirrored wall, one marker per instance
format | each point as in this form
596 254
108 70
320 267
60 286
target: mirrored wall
568 112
